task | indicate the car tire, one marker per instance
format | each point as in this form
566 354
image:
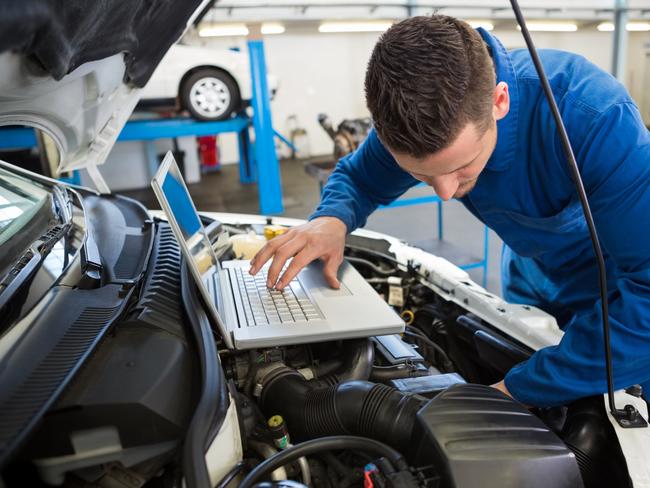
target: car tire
210 94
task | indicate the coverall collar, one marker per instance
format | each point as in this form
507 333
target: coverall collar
504 152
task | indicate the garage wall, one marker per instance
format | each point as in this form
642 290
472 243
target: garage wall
325 72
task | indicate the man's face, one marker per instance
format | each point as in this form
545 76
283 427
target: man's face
454 170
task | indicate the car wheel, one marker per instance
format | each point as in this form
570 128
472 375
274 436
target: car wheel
210 94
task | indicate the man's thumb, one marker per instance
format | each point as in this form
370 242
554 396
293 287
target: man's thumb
331 267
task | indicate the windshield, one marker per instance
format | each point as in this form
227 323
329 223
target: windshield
20 200
26 213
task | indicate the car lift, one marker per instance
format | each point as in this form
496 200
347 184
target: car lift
257 160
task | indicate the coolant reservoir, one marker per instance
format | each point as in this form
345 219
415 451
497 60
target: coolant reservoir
245 246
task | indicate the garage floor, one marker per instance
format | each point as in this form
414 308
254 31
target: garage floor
221 191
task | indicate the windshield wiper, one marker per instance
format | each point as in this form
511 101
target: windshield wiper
27 264
62 204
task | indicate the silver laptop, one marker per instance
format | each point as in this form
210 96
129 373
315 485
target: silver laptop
247 313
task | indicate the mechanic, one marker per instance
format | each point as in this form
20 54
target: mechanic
452 108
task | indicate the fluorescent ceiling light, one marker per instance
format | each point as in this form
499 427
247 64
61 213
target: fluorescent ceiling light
551 27
638 26
272 28
379 26
224 30
488 26
630 26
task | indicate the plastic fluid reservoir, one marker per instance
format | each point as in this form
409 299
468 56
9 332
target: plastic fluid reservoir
245 246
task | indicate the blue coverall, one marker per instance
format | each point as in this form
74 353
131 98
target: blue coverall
526 195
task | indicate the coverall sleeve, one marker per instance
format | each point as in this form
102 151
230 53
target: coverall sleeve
362 181
614 160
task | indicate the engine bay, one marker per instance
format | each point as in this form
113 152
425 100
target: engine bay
425 393
412 409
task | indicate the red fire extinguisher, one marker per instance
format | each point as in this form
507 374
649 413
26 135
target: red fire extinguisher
209 152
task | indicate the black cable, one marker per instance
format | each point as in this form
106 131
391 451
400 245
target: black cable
386 257
447 364
382 374
230 475
378 254
341 469
580 189
371 265
252 372
314 446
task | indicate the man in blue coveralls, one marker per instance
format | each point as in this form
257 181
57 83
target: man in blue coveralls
452 108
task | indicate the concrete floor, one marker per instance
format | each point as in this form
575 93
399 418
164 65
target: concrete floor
221 191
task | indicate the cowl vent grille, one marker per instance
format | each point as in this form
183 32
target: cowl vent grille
160 300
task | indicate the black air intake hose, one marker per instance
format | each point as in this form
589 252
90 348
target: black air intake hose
358 356
351 408
590 435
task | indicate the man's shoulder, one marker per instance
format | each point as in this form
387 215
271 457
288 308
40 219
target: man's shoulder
576 81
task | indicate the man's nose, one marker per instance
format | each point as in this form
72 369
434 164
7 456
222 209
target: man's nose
444 186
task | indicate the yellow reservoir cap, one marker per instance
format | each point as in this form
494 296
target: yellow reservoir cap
271 231
276 421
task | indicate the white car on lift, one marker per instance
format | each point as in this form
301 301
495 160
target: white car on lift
210 83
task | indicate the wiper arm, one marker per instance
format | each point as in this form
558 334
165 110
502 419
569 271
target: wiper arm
62 204
19 274
25 266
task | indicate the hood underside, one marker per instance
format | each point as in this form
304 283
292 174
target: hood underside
61 35
72 68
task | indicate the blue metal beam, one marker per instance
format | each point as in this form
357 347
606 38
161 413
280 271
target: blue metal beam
141 130
138 130
405 202
247 169
285 140
268 168
17 137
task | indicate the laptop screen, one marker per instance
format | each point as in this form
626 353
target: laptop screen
184 214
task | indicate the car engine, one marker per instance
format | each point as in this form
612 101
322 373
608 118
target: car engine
409 410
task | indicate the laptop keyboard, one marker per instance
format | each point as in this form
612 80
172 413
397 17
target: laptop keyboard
263 306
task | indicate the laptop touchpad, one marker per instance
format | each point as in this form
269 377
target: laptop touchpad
313 280
326 291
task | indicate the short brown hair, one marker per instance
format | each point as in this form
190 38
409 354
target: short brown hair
426 79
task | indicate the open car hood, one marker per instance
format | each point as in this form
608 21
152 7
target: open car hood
74 68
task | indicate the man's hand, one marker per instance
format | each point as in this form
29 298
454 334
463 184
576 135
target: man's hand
323 237
501 386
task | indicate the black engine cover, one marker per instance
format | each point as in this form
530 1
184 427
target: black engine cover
477 437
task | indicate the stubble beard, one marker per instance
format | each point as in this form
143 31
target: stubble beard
465 188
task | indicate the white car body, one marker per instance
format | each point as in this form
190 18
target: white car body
183 59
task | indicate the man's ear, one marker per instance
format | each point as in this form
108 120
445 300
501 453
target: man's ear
501 105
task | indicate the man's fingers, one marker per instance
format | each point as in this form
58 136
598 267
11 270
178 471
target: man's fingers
301 260
290 249
331 268
264 254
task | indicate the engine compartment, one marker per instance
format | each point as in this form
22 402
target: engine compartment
423 397
423 393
